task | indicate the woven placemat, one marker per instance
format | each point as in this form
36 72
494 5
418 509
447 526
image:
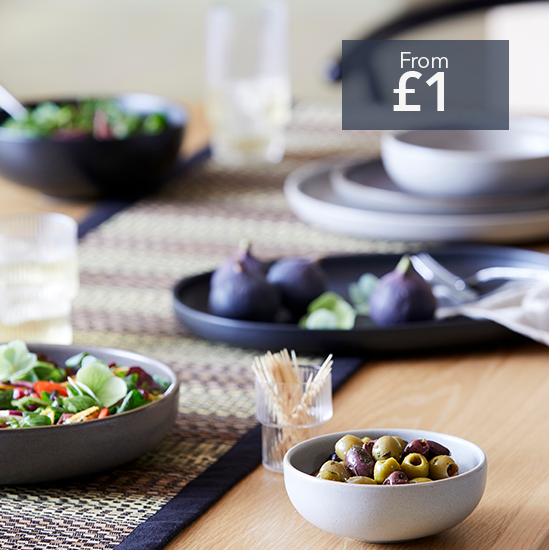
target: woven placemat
128 267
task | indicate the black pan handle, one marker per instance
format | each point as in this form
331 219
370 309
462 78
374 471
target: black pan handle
416 18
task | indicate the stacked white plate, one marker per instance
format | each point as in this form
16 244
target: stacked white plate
356 197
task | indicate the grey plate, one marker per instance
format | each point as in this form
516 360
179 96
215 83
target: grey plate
367 185
311 197
46 453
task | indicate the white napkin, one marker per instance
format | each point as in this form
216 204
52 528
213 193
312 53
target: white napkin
522 306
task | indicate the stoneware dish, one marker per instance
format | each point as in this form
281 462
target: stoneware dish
46 453
312 198
88 168
365 184
470 162
384 513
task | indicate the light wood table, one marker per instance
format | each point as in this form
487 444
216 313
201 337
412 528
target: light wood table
497 399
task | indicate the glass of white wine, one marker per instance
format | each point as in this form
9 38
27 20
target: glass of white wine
248 83
38 277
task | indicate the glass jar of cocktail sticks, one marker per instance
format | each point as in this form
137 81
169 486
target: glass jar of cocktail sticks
291 401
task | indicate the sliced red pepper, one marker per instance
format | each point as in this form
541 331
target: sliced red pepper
104 412
49 387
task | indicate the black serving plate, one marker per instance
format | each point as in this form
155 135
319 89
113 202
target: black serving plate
191 298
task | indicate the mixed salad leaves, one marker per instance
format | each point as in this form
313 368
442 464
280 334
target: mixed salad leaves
34 391
103 119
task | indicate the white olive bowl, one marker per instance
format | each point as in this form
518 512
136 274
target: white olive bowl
384 513
470 162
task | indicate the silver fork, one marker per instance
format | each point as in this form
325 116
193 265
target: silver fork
463 288
435 273
493 273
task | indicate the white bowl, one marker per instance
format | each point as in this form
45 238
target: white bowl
384 513
470 162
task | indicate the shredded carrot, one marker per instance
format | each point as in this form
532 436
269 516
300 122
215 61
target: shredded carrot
91 416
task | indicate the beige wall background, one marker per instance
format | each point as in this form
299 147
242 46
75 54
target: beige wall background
77 47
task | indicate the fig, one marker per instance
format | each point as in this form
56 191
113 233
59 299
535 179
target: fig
245 256
239 292
299 280
402 296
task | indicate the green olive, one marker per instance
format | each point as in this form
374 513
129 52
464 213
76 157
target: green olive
442 466
345 443
415 465
402 442
334 471
420 480
384 468
386 447
361 480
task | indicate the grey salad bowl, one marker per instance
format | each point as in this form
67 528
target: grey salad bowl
384 513
47 453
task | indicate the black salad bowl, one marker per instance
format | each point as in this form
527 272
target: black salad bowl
89 168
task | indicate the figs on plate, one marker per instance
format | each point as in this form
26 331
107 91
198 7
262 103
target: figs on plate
245 256
299 280
401 296
239 292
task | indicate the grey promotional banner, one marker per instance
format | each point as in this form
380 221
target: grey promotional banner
425 84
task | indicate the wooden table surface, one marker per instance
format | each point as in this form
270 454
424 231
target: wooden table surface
498 399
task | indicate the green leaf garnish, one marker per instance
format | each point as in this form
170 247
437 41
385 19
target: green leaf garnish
75 360
327 310
132 401
15 357
105 385
6 397
33 420
131 381
78 403
22 402
164 384
320 319
40 371
360 292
